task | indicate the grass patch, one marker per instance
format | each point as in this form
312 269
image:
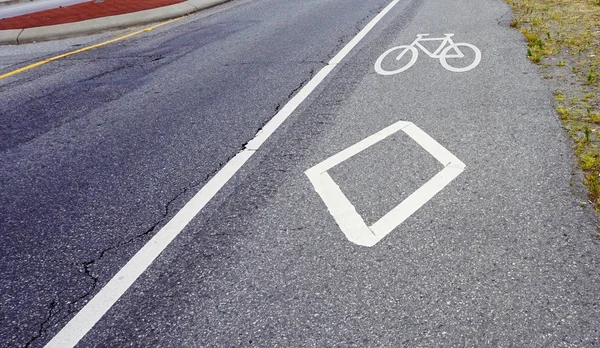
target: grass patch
563 38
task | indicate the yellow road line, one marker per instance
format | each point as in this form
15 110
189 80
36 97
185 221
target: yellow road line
46 61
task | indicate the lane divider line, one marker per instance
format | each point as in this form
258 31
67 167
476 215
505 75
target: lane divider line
95 309
64 55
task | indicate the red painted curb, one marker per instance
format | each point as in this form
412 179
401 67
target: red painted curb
81 12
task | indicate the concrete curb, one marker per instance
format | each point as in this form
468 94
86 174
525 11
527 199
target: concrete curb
61 31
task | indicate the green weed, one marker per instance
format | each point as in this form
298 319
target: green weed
569 31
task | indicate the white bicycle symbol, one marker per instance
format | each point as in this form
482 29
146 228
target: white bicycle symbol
442 53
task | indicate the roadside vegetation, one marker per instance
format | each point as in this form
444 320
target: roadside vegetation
563 38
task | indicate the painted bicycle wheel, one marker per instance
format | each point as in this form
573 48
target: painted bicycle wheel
403 50
444 55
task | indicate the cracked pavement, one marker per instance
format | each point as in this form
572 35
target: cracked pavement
101 149
76 203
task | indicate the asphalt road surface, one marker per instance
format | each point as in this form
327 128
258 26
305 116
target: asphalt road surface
100 150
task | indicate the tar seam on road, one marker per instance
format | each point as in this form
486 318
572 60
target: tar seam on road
64 55
95 309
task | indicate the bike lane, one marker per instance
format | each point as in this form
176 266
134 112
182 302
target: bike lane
502 254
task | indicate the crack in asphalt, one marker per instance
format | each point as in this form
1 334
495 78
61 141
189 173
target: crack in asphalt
42 328
360 24
53 313
279 105
87 266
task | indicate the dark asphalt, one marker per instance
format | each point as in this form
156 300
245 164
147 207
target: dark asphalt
100 150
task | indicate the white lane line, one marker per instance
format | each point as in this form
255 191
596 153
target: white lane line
94 310
345 214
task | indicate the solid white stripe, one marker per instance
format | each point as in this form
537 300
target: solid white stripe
415 201
94 310
343 212
358 147
434 148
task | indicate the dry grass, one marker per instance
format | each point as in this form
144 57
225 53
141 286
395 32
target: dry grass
563 37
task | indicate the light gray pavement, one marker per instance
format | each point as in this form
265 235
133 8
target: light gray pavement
505 255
